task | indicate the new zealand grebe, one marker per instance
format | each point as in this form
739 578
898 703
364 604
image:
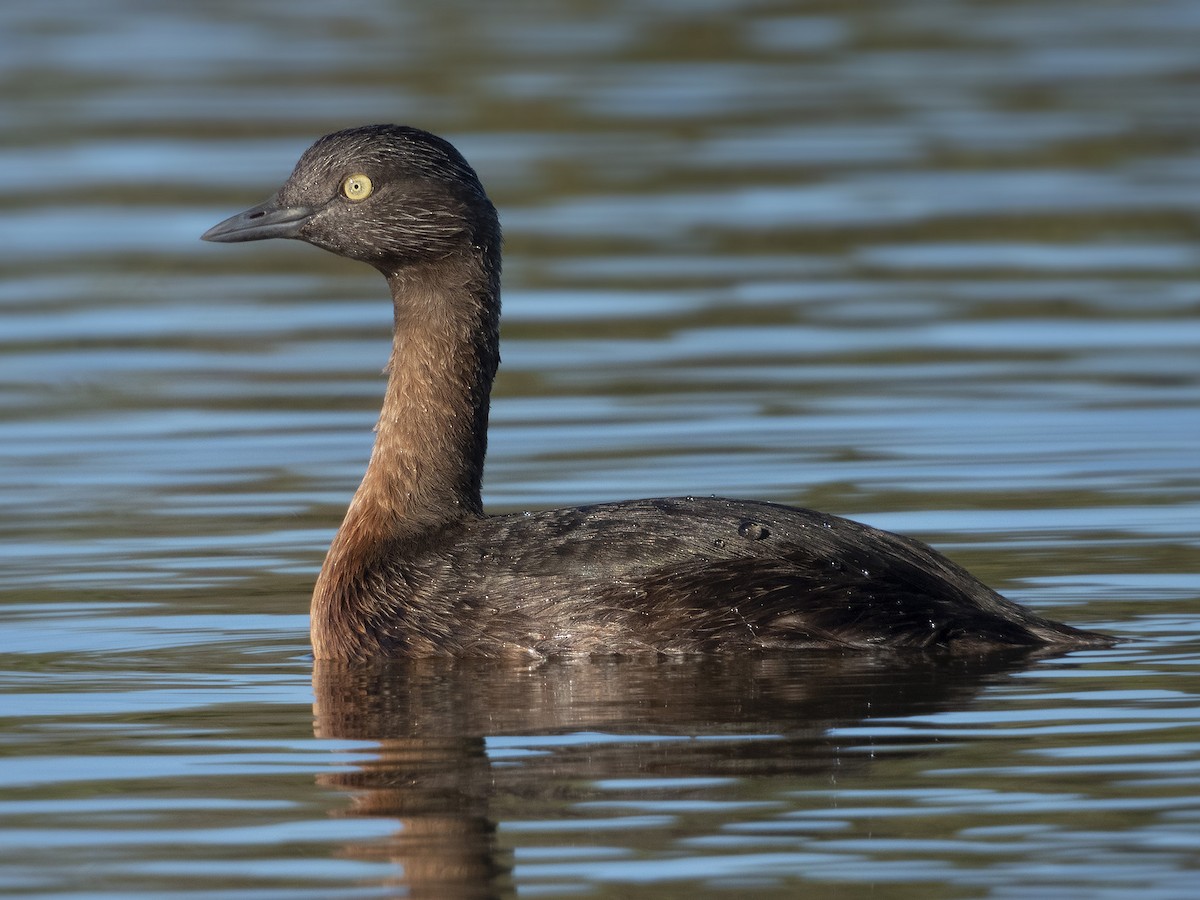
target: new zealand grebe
418 568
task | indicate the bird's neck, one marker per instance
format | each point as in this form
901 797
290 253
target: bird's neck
427 463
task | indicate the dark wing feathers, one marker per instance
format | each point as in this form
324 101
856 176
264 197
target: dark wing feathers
687 575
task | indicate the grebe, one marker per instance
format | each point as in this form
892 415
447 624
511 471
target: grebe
417 568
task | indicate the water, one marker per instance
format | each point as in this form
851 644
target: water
930 264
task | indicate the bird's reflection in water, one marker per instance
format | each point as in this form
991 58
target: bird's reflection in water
432 770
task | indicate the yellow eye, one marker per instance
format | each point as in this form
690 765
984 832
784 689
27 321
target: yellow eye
357 187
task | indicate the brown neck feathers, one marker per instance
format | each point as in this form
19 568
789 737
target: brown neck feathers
427 463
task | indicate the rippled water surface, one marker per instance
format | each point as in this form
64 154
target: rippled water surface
933 265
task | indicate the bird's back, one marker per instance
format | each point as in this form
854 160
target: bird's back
681 575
